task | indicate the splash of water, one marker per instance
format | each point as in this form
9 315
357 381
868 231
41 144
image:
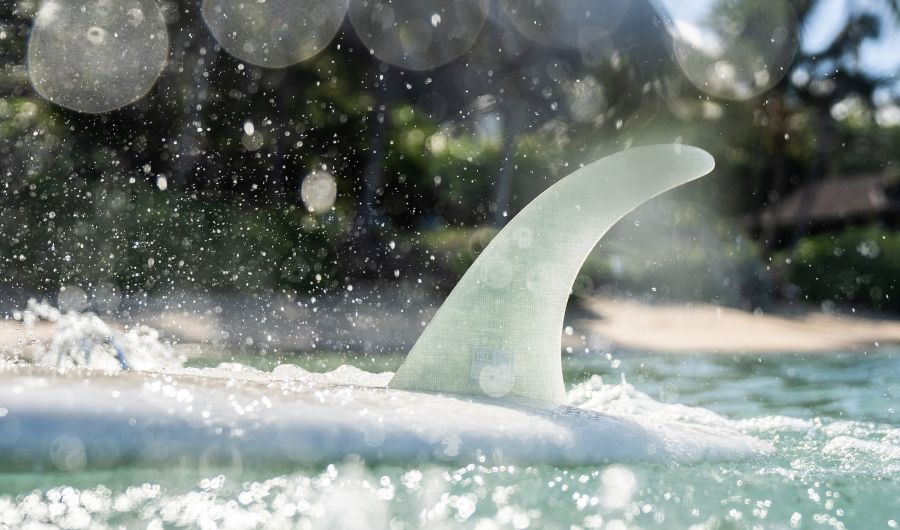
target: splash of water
85 340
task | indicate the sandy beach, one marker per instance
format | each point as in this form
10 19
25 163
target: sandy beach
700 328
599 324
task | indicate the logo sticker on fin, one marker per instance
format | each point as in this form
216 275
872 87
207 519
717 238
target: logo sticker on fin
493 370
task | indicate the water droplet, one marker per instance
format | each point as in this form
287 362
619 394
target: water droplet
318 191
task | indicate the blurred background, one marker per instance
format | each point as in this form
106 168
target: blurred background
317 175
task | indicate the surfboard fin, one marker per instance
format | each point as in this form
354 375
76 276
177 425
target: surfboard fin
498 333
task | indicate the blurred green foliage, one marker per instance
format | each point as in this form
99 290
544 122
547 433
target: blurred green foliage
171 191
856 266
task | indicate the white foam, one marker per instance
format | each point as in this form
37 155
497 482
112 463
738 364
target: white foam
623 399
844 445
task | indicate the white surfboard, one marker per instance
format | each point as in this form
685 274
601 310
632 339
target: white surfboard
217 417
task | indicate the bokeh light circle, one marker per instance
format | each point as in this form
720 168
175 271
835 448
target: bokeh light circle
318 191
732 49
274 33
418 34
71 298
96 56
581 24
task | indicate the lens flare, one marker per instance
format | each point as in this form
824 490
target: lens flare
96 56
582 24
732 49
418 34
274 33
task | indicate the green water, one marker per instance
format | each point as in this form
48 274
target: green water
833 419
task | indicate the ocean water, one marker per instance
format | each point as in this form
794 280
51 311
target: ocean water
832 420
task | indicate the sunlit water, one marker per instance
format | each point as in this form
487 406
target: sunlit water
832 418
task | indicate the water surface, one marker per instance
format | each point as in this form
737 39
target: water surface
832 418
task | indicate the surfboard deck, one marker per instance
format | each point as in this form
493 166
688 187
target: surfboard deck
88 419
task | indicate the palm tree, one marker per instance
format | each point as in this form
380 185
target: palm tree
821 79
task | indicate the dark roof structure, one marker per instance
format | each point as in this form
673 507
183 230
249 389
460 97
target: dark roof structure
836 200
